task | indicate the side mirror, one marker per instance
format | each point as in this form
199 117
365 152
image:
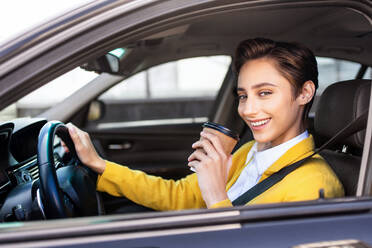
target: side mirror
96 110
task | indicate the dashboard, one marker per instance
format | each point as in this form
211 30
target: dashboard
19 169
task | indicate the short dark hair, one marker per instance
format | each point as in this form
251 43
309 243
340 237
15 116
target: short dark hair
294 61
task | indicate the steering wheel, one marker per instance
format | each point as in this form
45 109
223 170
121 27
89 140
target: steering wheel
69 191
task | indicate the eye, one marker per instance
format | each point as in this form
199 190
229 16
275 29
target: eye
242 97
264 93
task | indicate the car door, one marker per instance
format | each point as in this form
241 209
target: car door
150 120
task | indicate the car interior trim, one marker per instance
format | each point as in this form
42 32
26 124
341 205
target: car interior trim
364 186
353 208
112 125
152 223
40 203
22 167
174 219
5 185
125 236
333 243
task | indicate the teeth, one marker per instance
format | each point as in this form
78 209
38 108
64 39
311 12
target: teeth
259 123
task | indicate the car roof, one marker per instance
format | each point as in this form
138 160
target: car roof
330 31
338 29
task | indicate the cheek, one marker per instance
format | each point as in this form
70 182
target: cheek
279 103
240 109
272 107
286 110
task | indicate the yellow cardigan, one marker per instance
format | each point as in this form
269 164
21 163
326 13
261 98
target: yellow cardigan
161 194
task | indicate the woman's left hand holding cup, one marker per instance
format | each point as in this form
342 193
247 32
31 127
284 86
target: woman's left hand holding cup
211 164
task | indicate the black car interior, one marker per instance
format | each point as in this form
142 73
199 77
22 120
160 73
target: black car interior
340 104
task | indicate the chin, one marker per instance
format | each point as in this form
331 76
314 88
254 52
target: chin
262 138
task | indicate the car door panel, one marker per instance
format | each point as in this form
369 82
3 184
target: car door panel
160 150
157 150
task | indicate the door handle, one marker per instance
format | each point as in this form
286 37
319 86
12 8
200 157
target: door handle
123 146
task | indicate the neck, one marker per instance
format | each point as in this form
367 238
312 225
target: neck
263 146
268 145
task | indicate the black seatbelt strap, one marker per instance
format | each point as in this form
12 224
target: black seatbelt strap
353 127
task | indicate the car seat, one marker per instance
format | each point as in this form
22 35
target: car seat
340 104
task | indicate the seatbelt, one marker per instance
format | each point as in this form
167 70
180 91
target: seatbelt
353 127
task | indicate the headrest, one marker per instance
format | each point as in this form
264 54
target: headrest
340 104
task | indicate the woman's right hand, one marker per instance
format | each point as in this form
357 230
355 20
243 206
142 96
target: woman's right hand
85 149
212 166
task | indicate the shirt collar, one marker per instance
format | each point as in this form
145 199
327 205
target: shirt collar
266 158
293 154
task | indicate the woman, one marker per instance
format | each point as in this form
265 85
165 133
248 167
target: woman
276 85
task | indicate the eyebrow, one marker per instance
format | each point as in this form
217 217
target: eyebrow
258 86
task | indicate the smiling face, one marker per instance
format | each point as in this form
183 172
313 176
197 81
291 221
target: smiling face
267 103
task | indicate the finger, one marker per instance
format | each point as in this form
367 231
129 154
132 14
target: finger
207 146
215 141
194 163
81 137
194 166
84 138
197 155
198 145
73 133
64 146
75 136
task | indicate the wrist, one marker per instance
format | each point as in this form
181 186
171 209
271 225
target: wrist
216 198
99 165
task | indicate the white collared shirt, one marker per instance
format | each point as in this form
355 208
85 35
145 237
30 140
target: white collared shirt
259 162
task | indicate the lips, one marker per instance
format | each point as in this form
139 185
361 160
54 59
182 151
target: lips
258 124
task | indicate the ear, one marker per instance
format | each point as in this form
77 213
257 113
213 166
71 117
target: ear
307 93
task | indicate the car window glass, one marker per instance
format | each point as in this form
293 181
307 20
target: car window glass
48 95
191 77
368 74
335 70
182 89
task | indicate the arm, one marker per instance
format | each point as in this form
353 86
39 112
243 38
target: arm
150 191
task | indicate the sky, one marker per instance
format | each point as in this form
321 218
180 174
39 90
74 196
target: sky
17 16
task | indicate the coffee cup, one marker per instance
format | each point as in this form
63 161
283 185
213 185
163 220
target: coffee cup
227 138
